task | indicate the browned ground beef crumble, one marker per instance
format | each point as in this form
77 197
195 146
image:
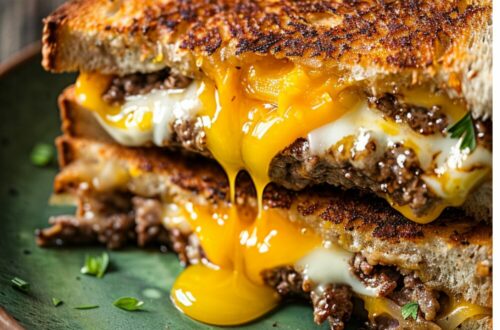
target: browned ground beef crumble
119 219
296 168
422 120
142 83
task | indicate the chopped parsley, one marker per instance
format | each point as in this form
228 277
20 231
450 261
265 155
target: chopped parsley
410 310
96 265
87 307
464 128
20 284
42 154
56 302
128 303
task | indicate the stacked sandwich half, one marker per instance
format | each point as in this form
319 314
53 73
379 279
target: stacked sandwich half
334 151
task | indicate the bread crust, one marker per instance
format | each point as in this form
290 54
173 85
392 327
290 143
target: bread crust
445 42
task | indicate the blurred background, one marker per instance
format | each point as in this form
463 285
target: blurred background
21 23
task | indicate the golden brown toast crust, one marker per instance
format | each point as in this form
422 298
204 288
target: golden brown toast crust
394 34
404 42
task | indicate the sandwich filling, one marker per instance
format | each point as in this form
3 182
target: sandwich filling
248 114
242 263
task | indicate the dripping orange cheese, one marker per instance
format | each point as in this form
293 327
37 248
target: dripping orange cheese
253 112
228 289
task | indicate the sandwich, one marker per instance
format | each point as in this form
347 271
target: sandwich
333 151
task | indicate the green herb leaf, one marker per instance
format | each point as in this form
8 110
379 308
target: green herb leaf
96 265
20 284
410 310
464 129
128 303
86 307
56 302
42 154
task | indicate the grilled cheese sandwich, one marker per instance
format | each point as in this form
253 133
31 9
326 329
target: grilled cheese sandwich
358 96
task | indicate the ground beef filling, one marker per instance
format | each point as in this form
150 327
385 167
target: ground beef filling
332 304
422 120
117 220
395 171
401 287
335 303
142 83
484 133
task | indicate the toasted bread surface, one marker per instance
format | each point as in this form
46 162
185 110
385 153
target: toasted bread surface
445 42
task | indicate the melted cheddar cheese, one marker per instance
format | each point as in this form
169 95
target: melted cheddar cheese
454 315
458 311
253 112
228 288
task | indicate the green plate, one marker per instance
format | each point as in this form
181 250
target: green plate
29 115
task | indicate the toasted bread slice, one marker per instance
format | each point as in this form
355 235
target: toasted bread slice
445 42
453 254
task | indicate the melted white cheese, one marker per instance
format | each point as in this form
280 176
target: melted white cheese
166 106
437 154
329 265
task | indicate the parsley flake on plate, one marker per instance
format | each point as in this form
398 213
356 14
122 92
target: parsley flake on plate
42 154
128 303
20 284
87 307
56 302
96 265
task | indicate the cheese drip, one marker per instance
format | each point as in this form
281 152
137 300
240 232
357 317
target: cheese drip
228 288
252 112
245 129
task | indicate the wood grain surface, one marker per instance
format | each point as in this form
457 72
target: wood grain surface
21 23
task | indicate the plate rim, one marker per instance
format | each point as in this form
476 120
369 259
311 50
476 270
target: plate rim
20 57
